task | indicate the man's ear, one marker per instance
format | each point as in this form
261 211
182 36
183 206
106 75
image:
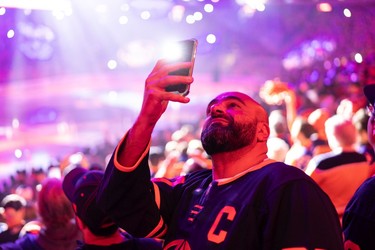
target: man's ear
263 131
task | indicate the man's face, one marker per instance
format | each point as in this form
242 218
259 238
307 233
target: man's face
230 123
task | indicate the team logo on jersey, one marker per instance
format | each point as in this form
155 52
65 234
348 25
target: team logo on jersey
216 233
178 245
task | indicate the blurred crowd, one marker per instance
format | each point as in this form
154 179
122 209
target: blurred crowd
322 130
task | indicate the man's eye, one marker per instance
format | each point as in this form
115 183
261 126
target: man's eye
233 105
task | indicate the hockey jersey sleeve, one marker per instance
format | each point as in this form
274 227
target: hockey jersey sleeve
126 194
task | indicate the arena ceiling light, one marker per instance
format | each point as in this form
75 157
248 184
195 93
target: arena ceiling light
57 5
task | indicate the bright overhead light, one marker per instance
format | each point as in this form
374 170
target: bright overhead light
62 5
324 7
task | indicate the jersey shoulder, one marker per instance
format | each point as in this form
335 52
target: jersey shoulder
279 174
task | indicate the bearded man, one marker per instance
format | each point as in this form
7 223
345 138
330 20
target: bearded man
247 201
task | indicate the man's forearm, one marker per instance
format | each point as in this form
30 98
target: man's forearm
137 140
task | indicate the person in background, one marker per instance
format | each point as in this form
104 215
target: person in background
278 143
28 193
317 119
197 158
57 228
358 222
275 92
13 206
99 231
301 151
155 159
353 101
278 126
246 201
340 172
360 121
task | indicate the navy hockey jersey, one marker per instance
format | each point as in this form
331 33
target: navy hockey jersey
271 206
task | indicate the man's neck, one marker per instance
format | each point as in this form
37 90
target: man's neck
229 164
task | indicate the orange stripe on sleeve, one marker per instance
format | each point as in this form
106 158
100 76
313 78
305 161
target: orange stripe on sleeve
126 168
157 195
157 228
162 233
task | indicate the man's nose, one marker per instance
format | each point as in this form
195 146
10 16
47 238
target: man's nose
217 108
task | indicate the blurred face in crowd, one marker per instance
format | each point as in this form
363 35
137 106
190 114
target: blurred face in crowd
371 125
13 217
231 123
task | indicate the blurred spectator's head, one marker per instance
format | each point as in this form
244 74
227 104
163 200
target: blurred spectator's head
156 156
54 207
278 124
317 119
302 131
192 165
25 191
72 161
13 209
360 120
341 132
369 91
277 149
38 175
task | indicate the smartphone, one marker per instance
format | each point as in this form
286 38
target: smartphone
184 51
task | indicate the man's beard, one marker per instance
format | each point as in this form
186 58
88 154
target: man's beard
217 138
